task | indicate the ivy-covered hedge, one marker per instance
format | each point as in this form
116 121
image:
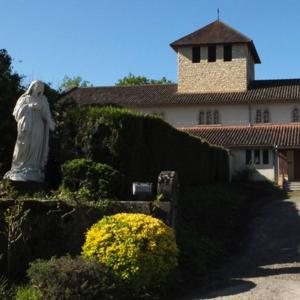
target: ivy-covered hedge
140 146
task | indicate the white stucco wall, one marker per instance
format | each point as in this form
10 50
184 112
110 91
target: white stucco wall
279 113
187 116
261 171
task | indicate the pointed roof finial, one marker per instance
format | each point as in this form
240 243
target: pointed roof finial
218 12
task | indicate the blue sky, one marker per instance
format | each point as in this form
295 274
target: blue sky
104 40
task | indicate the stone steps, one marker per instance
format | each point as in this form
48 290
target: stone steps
292 186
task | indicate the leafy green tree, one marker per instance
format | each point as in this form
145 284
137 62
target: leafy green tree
140 80
10 90
76 81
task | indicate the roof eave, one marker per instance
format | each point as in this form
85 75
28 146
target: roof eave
250 44
254 52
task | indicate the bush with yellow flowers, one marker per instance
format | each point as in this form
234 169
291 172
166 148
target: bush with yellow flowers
140 249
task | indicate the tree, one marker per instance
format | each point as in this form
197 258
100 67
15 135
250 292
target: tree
140 80
10 90
76 81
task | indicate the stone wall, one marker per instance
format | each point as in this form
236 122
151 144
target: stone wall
54 228
219 76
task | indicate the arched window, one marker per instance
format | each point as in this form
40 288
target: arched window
266 116
216 117
201 118
258 116
295 115
208 117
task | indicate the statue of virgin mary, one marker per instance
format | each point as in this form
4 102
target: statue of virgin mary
34 121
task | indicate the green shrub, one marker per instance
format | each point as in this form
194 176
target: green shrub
67 278
28 293
140 249
140 146
92 181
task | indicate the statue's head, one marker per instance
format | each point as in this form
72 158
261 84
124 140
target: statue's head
36 88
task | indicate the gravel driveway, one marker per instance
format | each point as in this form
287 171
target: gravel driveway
270 268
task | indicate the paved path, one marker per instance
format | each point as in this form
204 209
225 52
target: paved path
270 268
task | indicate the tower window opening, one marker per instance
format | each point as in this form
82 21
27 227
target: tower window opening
227 53
212 53
196 55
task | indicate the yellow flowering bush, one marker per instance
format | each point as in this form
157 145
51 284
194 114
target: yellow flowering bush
139 248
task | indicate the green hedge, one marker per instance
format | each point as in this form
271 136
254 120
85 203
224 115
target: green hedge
97 181
72 278
140 146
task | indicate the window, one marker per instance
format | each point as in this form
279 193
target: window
295 115
266 116
201 118
265 156
258 116
248 157
227 53
208 117
212 53
256 157
196 55
216 117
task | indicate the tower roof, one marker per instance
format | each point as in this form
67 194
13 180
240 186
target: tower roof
216 32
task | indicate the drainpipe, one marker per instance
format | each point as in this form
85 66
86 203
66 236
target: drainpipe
276 163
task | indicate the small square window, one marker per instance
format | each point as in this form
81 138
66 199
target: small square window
227 53
212 53
248 157
265 156
196 55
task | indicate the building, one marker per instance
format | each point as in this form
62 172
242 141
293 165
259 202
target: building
218 99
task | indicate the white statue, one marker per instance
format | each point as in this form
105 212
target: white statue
34 120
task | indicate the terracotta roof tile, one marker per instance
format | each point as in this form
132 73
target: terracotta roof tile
260 91
283 136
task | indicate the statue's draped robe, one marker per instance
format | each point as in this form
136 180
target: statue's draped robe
31 149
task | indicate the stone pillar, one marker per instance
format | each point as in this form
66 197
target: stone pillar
168 185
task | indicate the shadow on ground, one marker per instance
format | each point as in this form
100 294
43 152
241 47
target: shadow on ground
232 287
272 247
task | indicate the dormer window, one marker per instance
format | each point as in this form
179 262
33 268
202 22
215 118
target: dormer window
212 53
295 115
227 53
196 55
